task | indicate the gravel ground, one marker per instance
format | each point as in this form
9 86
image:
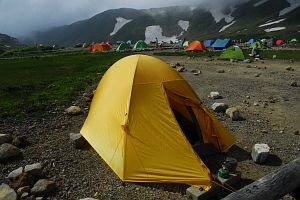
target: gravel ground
82 173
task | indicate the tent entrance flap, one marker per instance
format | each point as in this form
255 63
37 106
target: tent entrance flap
187 120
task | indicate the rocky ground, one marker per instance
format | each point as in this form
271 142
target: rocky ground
261 90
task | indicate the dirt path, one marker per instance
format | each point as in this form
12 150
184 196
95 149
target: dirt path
82 173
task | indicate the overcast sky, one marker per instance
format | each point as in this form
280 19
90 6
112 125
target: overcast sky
20 17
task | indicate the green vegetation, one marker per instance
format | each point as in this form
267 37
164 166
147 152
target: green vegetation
190 54
36 83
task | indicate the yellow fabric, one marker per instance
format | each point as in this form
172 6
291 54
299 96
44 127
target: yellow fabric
132 127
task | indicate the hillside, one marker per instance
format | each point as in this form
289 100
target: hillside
256 18
6 40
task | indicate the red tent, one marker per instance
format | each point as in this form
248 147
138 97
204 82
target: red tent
280 42
196 46
99 47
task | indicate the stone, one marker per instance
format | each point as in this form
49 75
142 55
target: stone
221 71
255 104
43 186
234 114
24 179
7 193
247 61
39 198
5 138
25 195
260 153
34 169
196 72
8 151
288 68
296 132
181 69
78 141
274 56
20 141
12 175
256 75
219 107
294 84
215 95
73 110
21 190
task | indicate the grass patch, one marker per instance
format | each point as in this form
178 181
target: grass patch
34 84
189 54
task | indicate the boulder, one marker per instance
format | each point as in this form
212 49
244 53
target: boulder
215 95
43 186
8 151
78 141
34 169
260 153
7 193
5 138
12 175
73 110
234 114
219 107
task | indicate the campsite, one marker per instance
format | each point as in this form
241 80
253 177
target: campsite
136 111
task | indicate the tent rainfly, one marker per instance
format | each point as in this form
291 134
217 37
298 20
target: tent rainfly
233 53
208 43
221 44
196 46
140 45
150 121
123 46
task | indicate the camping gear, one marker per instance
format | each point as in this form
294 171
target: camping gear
259 45
123 46
196 46
186 43
251 41
294 40
144 119
280 42
221 44
140 45
208 43
99 47
233 52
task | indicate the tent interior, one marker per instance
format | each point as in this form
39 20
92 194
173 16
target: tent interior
191 128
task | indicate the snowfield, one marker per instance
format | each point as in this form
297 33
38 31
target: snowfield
184 24
219 15
226 26
120 23
260 3
155 31
274 29
274 22
293 5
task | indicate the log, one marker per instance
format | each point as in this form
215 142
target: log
275 185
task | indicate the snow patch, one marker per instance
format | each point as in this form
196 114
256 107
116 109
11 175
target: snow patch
274 29
155 31
219 15
226 26
120 23
184 24
293 5
260 3
270 23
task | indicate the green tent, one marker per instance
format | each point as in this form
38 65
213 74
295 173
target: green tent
233 53
123 46
260 45
294 40
140 45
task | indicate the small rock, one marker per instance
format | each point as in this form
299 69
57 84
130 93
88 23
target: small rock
8 151
256 75
247 97
39 198
255 104
296 132
25 195
20 141
73 110
274 56
15 173
5 138
196 72
78 141
215 95
219 107
234 114
181 69
7 193
21 190
43 186
247 61
248 66
291 60
264 131
221 71
294 84
34 169
260 153
288 68
87 99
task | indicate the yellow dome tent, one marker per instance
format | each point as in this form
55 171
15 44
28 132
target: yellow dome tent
132 126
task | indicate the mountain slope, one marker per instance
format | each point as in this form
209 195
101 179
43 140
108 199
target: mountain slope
244 21
6 40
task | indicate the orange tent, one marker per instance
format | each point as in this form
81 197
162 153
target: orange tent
280 42
196 46
99 47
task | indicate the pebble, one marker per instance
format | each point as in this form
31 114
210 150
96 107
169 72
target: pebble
255 104
5 138
247 61
260 153
221 71
256 75
12 175
215 95
296 132
294 84
219 107
8 151
234 114
34 169
78 141
196 72
288 68
21 190
7 193
181 69
73 110
43 186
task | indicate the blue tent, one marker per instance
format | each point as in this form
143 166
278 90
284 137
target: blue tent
181 42
221 44
208 43
251 41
